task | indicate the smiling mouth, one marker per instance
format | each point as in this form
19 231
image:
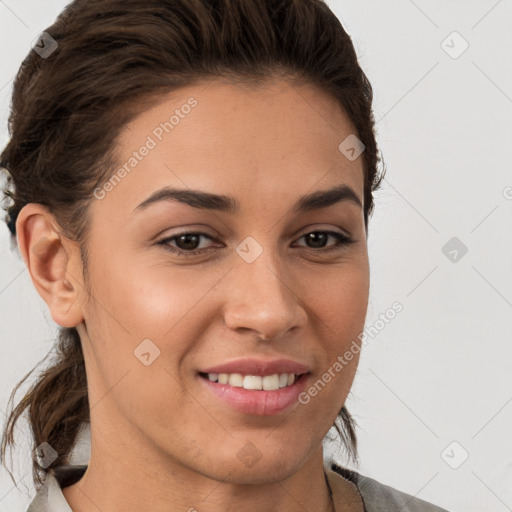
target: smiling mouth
254 382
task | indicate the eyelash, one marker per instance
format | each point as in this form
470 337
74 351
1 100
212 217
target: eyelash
342 240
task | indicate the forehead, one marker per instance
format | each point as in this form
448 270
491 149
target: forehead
245 140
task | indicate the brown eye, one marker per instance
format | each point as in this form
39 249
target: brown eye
318 240
187 243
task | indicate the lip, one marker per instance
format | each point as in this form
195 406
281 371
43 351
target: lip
257 402
261 367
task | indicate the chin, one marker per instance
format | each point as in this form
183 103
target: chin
255 467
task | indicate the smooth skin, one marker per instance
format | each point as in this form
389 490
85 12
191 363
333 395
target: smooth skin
161 441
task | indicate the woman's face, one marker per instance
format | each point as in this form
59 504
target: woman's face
267 282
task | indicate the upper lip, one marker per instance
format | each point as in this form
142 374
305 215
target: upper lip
261 367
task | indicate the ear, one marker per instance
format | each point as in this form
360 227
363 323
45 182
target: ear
53 262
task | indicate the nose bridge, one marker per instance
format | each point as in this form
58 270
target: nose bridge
260 296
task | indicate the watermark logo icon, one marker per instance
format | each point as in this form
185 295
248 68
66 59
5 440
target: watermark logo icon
146 352
249 455
249 249
454 45
44 455
455 455
454 249
44 45
351 147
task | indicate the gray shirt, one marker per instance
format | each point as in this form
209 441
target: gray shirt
376 496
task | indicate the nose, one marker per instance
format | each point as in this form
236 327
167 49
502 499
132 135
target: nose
262 298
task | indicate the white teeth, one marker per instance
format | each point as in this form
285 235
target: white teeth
271 382
266 383
236 379
252 382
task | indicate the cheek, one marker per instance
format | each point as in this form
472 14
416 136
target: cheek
141 295
136 301
131 306
340 307
340 300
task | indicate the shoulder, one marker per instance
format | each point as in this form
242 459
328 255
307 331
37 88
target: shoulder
49 497
379 497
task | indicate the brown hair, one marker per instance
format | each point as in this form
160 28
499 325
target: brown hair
112 58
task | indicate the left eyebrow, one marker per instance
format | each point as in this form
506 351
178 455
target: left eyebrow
208 201
324 198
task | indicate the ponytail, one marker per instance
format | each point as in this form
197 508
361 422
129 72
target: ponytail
56 405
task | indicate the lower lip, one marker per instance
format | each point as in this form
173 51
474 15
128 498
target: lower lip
259 402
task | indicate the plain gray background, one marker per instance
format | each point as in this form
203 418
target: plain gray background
433 393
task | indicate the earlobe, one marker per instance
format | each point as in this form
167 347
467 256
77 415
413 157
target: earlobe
52 261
